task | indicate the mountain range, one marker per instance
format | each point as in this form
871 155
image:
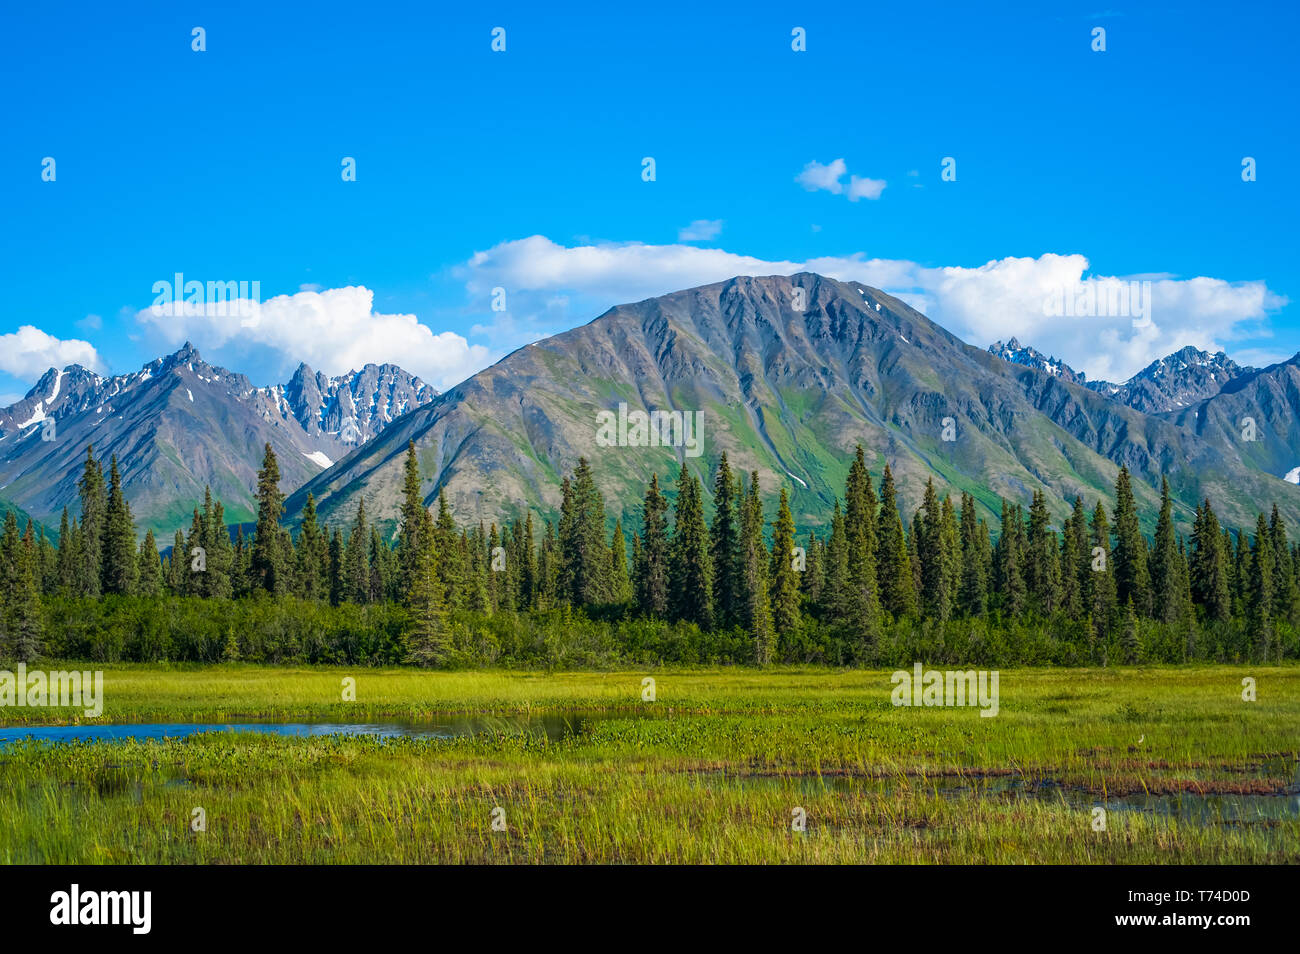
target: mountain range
787 375
180 424
1170 384
789 391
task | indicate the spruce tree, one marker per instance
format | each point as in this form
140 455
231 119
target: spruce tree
893 566
1259 601
1230 571
689 570
756 611
1101 581
356 559
1073 545
813 576
915 538
1042 571
414 513
10 570
548 570
498 581
90 487
835 585
724 547
528 571
1166 595
1185 613
784 577
220 554
21 621
1009 563
583 551
652 573
265 571
1286 590
120 557
196 558
453 569
1132 577
620 584
308 582
149 568
425 597
973 588
938 561
950 548
178 566
860 510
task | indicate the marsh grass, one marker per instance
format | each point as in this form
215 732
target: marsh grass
712 776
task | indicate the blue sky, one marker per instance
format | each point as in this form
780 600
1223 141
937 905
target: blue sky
523 170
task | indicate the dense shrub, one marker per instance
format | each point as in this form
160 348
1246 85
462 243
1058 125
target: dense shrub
291 630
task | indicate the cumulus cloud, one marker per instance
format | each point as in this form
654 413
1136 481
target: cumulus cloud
860 188
29 352
999 299
701 230
616 272
817 177
334 331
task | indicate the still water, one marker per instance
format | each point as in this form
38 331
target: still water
554 726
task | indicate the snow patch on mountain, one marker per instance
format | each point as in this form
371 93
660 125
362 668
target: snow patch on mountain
319 457
38 415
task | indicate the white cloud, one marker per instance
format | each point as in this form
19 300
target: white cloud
29 352
1000 299
865 188
701 230
816 176
334 331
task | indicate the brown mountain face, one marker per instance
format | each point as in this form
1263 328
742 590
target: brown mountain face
787 374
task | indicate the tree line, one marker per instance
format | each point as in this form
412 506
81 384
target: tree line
873 586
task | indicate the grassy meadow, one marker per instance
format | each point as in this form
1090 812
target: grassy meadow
714 770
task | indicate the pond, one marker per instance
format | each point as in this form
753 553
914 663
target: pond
554 726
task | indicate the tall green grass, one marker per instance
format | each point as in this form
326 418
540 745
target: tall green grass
713 776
